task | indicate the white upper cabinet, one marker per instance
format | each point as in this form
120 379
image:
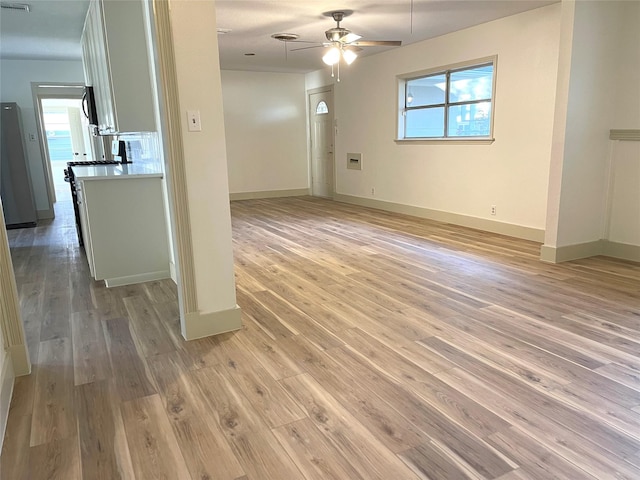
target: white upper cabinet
116 64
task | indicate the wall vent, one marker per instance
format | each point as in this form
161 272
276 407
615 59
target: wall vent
16 6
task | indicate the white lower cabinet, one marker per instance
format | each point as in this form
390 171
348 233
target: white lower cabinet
124 226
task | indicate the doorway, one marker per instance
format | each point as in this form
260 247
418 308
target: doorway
60 106
65 138
321 121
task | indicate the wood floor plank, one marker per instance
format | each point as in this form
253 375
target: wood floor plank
431 463
462 443
314 454
55 460
265 394
253 444
447 400
24 388
392 429
150 331
129 371
153 446
367 455
90 357
297 321
202 442
579 422
535 458
57 310
267 320
269 352
103 446
53 409
15 449
591 458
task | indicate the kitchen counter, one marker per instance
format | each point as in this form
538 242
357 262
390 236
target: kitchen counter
119 171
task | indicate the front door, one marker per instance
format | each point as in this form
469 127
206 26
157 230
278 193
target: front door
321 122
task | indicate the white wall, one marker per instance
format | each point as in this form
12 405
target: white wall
265 125
15 86
594 181
624 219
627 73
512 173
590 113
199 88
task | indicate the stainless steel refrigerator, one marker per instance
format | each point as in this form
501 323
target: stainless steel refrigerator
15 181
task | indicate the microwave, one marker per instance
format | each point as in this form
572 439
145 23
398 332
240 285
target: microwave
89 106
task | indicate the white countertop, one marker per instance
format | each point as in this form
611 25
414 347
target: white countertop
116 172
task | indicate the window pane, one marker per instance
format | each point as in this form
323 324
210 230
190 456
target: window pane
472 120
424 123
426 91
472 84
322 108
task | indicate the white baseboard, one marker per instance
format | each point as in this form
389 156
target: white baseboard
621 250
268 194
199 325
509 229
6 390
567 253
590 249
140 278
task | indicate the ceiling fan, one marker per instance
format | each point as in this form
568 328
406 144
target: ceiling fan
343 44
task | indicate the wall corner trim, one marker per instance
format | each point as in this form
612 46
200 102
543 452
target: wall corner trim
199 325
571 252
6 391
508 229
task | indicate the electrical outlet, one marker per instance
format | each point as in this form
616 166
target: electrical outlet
493 209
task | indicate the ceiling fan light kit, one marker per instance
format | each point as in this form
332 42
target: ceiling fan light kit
341 42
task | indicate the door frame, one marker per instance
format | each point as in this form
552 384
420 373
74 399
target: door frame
48 90
324 89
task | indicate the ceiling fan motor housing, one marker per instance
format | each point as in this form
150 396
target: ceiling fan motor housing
335 34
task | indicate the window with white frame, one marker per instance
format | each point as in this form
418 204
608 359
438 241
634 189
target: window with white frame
448 103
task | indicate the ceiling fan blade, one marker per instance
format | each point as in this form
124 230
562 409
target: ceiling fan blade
377 43
301 41
306 48
350 37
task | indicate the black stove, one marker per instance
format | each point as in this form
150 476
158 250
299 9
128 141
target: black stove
71 178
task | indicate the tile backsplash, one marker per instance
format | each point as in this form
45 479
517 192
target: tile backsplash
143 148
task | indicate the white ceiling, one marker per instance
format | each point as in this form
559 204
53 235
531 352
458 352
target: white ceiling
53 27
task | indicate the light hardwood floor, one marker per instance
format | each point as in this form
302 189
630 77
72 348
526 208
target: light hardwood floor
375 346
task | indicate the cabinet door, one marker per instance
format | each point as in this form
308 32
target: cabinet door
116 55
104 94
128 244
84 224
87 60
128 59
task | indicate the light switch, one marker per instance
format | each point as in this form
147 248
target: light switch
193 117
